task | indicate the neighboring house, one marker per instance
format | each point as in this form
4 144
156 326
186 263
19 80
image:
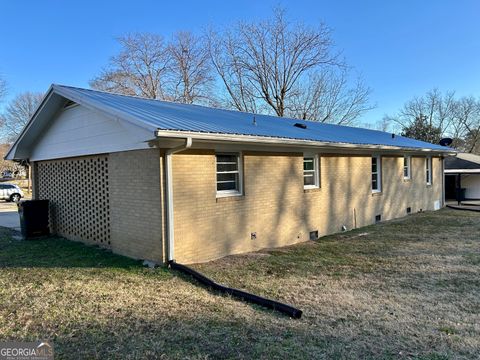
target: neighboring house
462 172
7 174
158 180
10 174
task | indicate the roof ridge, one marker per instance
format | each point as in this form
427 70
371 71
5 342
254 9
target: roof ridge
213 108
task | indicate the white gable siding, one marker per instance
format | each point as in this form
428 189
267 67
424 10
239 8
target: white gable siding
80 131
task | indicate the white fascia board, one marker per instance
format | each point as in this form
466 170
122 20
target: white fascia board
462 171
46 97
217 137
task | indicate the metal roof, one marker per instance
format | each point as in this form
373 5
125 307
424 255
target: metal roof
163 115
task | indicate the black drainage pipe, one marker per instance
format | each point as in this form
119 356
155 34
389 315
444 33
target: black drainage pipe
255 299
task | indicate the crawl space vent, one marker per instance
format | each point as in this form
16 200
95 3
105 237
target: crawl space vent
378 218
314 235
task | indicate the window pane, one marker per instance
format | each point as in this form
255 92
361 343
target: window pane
227 181
374 165
309 179
226 167
226 158
227 172
227 186
405 172
227 177
308 164
374 184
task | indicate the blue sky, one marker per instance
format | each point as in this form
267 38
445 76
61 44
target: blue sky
402 48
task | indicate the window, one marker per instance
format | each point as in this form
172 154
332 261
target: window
376 173
406 167
428 170
228 174
311 178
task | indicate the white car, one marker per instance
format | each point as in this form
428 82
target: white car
10 192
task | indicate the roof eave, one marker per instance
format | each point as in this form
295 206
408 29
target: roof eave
264 140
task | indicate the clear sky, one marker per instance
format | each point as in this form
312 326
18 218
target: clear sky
402 48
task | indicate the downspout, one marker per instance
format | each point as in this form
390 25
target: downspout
443 181
169 197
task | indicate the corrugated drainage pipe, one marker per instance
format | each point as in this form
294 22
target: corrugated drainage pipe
243 295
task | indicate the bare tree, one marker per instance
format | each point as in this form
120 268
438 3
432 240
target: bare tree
3 88
141 67
273 66
225 53
466 125
327 97
18 112
265 61
458 118
437 108
191 69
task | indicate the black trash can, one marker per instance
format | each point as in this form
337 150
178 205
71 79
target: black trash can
34 218
460 194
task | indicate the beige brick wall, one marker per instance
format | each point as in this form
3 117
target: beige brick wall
276 206
132 192
135 204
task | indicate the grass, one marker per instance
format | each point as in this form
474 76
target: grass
407 289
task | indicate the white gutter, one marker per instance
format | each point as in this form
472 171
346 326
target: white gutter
290 142
462 171
169 197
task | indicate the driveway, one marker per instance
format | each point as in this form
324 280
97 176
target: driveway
9 215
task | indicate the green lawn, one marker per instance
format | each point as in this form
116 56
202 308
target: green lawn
408 288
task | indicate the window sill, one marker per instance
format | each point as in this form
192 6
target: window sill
429 185
407 179
377 193
229 197
311 189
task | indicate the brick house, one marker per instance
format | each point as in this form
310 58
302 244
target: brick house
159 181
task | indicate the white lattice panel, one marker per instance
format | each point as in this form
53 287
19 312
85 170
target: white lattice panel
78 191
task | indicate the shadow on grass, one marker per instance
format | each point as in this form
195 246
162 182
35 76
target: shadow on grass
205 336
56 252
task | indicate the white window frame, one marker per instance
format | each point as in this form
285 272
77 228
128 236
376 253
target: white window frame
378 174
315 171
239 171
408 167
428 170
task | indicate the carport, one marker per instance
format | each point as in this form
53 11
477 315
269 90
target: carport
462 177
